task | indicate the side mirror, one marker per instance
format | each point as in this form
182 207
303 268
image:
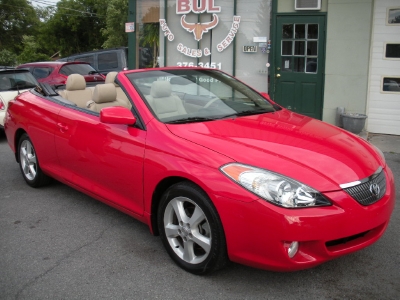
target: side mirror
117 115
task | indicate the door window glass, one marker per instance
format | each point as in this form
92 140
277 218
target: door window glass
287 31
298 64
300 48
312 32
312 48
300 31
107 61
287 47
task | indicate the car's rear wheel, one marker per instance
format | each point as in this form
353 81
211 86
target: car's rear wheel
29 163
191 230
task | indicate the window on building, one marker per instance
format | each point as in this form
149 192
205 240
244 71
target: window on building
393 16
148 35
392 51
391 84
300 48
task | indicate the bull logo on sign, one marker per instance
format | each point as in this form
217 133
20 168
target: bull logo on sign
199 28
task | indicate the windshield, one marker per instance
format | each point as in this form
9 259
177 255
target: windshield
14 81
182 96
82 69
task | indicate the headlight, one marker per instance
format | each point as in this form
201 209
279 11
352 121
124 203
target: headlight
274 187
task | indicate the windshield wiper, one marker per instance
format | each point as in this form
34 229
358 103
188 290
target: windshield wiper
190 120
248 113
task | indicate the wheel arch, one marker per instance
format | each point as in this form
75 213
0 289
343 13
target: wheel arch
161 187
17 137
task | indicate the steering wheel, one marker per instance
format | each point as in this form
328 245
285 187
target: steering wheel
210 102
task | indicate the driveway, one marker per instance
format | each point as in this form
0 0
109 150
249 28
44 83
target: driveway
57 243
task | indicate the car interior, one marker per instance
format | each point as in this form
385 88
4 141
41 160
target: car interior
96 97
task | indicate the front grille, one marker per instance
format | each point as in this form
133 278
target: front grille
367 193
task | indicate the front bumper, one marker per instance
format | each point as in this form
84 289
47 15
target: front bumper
258 233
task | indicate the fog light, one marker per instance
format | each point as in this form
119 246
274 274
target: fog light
292 250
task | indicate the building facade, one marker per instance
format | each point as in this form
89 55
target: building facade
311 56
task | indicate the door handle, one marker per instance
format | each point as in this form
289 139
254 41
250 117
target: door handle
63 128
278 75
289 107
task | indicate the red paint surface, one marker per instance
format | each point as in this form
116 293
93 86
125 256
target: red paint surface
123 165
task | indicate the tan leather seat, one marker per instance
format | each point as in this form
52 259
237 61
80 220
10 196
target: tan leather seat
104 95
163 103
76 91
110 78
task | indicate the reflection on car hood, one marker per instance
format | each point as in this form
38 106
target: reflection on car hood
313 152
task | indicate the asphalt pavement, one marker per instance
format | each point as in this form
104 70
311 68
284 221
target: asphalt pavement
57 243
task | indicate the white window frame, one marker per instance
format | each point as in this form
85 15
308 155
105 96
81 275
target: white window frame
389 92
387 16
384 51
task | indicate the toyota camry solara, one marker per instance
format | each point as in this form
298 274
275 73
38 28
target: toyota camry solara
218 170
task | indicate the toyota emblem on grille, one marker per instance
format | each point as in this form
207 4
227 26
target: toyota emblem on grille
375 189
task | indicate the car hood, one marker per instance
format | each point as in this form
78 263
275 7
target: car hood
313 152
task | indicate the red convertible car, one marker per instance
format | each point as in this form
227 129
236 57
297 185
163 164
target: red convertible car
218 170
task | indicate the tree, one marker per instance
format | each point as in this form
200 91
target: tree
7 58
114 32
17 17
30 51
44 38
76 25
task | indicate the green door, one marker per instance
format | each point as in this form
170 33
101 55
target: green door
299 64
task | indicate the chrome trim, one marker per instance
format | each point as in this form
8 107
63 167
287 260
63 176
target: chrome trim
354 183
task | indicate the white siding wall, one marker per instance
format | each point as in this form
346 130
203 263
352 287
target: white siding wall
383 107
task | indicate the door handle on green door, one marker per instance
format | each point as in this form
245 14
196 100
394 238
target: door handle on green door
278 75
289 107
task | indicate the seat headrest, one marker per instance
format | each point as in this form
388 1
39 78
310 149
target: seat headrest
110 78
160 89
75 82
104 93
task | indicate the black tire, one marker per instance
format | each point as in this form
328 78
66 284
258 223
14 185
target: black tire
29 163
195 238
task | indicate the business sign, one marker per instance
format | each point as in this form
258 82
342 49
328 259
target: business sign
184 7
130 27
249 49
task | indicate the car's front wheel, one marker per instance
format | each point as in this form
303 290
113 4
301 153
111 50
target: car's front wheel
29 163
191 230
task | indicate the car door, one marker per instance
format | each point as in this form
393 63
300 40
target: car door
104 159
